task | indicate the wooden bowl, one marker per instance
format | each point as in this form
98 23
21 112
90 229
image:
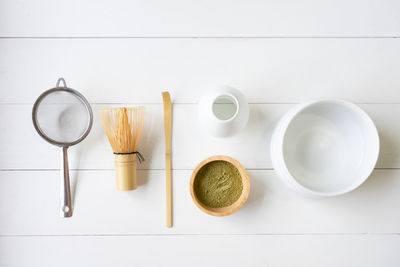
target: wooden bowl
229 209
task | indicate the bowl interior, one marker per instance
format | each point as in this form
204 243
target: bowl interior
330 147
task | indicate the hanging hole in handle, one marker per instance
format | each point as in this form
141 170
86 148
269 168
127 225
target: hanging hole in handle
61 80
65 209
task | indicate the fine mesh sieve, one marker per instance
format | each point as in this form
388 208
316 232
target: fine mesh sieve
63 117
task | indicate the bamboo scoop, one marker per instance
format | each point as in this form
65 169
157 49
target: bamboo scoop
123 127
168 134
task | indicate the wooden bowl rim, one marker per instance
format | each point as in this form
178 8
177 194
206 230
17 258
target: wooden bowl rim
238 203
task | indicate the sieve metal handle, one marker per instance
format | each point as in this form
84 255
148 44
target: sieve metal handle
65 190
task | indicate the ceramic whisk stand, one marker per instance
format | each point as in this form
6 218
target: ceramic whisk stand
223 112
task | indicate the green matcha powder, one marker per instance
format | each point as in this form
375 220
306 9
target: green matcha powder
218 184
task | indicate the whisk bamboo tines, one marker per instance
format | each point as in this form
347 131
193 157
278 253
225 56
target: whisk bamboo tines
123 127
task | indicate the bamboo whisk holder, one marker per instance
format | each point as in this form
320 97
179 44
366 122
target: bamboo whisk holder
125 172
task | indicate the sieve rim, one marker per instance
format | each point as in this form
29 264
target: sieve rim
77 95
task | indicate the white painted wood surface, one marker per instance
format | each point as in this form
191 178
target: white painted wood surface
281 250
180 18
272 208
277 53
135 70
190 144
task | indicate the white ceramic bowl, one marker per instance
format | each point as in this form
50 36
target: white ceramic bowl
223 111
325 147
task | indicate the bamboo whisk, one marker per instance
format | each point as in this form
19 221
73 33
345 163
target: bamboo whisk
123 127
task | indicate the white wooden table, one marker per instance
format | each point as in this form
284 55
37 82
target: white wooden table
126 52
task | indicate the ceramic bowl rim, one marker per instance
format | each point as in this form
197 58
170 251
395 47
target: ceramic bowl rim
237 105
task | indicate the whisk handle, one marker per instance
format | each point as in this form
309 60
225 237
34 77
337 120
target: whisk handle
65 189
